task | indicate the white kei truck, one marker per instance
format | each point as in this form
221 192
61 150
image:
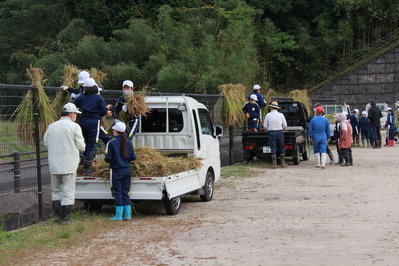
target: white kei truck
176 125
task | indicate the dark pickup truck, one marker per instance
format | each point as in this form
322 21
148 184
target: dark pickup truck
296 138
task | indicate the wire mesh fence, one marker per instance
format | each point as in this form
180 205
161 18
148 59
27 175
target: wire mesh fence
25 189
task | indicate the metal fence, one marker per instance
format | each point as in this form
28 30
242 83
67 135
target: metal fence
25 192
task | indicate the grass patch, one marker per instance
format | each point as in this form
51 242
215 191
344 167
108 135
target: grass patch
17 245
237 170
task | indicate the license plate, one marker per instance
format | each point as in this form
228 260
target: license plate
266 149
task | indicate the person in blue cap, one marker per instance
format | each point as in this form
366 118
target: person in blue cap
119 153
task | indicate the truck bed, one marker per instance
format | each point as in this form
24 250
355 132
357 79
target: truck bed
142 188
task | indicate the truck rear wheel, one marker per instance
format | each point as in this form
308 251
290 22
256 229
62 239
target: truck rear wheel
296 156
208 188
172 206
248 155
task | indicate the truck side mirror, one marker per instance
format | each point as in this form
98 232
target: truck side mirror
218 130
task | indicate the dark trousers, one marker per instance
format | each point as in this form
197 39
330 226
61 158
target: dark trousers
90 130
391 134
121 179
365 133
376 134
347 154
340 157
276 141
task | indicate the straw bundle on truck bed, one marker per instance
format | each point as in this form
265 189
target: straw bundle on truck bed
150 163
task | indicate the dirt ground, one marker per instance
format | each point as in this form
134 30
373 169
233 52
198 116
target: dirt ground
299 215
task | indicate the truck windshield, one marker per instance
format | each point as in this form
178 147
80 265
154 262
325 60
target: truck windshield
156 121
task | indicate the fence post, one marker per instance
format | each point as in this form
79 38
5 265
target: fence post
231 144
38 159
17 172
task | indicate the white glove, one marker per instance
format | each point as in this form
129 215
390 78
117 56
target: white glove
64 88
124 108
117 120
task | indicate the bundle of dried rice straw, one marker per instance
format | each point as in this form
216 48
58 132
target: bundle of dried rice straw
232 103
70 78
136 105
25 112
98 76
301 96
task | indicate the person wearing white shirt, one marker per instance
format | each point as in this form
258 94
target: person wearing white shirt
275 123
64 141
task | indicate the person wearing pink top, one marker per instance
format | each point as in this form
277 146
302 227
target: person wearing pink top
345 139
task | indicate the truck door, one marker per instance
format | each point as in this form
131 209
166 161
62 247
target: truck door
207 141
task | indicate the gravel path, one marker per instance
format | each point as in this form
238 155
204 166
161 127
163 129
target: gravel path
299 215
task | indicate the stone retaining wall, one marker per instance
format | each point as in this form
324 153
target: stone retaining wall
377 79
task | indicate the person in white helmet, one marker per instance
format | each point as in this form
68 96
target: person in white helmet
75 93
132 122
364 128
252 113
261 101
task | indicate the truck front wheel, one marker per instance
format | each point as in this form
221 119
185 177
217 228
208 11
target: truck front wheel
208 188
172 206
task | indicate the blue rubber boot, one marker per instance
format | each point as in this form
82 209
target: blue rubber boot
126 212
118 213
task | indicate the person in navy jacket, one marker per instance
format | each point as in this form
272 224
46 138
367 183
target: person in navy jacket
120 107
119 153
364 126
93 108
252 112
390 124
354 121
261 102
75 93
